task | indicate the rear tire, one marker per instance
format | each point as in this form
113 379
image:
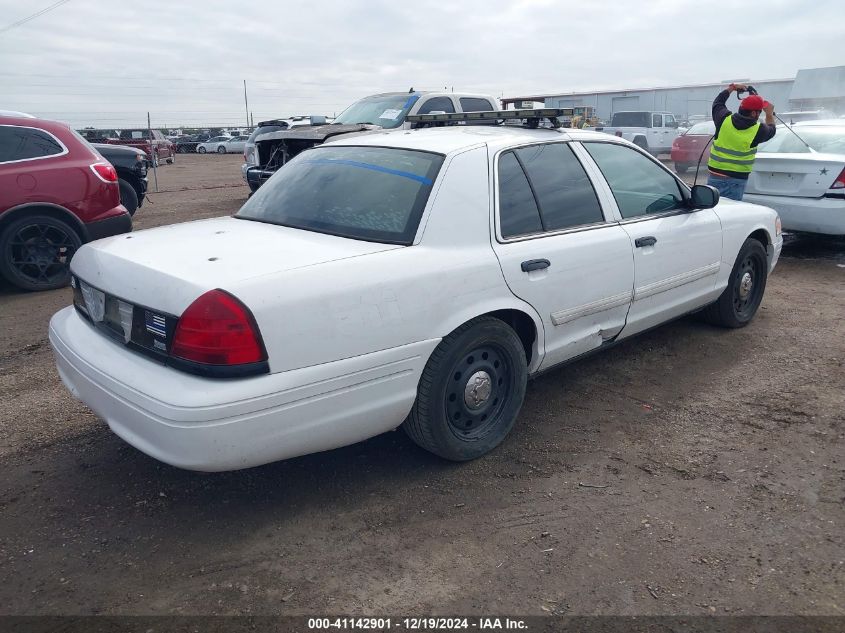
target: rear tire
128 196
641 143
681 168
201 150
738 304
221 149
35 252
470 391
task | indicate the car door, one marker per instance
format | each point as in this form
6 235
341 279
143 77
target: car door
655 139
677 252
557 249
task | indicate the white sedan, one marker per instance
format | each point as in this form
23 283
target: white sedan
805 185
410 278
223 145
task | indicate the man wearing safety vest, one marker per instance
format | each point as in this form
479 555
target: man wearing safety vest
735 144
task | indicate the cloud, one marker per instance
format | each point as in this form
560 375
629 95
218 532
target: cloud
109 64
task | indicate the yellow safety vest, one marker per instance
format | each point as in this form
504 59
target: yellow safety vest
732 150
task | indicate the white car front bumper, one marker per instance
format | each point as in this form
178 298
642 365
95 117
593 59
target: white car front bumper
214 425
809 215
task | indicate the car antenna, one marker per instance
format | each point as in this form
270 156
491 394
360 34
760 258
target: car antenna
411 90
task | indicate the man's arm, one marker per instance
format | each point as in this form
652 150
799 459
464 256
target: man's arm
766 130
720 110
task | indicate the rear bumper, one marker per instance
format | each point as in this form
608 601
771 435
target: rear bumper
825 216
215 425
114 225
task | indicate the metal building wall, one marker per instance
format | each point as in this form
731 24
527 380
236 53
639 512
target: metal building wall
682 102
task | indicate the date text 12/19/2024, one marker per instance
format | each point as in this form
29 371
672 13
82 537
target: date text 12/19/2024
417 624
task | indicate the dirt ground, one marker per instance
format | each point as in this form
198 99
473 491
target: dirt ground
691 470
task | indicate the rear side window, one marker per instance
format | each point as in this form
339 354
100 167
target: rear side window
518 212
25 143
437 104
474 104
564 193
368 193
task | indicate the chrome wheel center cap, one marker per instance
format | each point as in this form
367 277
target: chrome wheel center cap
477 390
745 285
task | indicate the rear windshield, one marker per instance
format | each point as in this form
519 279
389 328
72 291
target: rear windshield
631 119
386 111
707 127
369 193
264 129
127 135
830 140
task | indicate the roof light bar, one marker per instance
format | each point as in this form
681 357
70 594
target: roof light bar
495 115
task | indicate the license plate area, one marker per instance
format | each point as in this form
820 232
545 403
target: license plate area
138 327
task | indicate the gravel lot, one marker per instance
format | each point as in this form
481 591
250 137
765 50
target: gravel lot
691 470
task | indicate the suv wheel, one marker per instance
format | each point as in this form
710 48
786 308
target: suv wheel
35 252
128 196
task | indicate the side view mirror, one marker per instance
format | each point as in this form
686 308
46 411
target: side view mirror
704 197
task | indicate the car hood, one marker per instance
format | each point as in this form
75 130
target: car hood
168 267
117 150
317 133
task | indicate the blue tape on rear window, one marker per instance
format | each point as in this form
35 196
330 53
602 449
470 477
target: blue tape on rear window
411 101
355 163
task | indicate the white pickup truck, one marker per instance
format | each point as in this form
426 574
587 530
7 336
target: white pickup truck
653 131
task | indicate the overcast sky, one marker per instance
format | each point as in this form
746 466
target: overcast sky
93 62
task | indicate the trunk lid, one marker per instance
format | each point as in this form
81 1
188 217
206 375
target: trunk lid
795 175
166 268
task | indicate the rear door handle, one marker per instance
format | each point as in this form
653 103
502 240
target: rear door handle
535 264
645 241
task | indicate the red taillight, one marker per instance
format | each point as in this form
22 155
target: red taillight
839 183
217 329
105 172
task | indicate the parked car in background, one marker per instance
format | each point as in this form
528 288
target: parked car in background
93 135
653 131
131 165
345 299
185 144
250 156
792 118
806 187
56 193
369 115
156 147
235 145
213 144
689 148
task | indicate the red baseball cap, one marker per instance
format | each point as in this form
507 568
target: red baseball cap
753 102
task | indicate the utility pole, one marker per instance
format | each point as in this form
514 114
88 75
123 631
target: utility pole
251 120
246 105
152 151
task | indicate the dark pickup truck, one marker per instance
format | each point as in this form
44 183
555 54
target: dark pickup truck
131 165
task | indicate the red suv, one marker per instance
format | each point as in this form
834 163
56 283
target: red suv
56 192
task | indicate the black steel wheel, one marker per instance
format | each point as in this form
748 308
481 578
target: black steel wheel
740 300
470 392
35 252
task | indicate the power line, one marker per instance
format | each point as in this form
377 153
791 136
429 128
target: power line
23 21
